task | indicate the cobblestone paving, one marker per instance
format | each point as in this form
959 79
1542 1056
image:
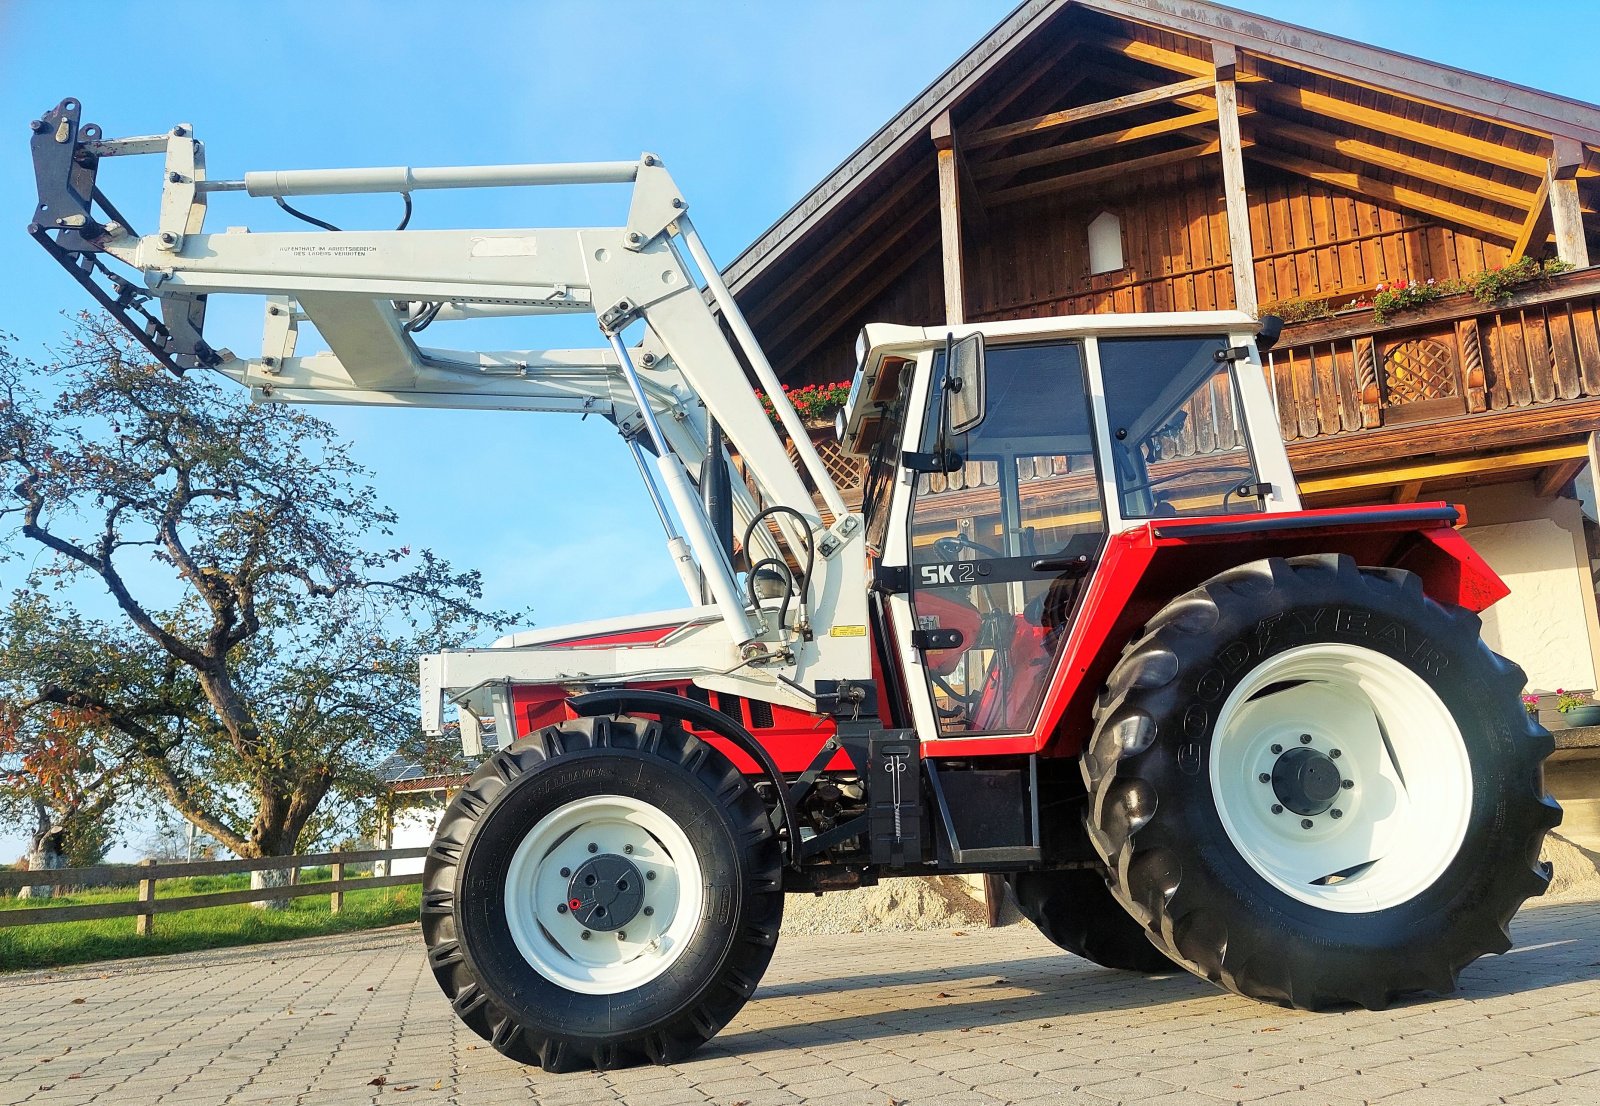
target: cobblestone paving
924 1019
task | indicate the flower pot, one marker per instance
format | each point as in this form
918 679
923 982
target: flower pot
1586 715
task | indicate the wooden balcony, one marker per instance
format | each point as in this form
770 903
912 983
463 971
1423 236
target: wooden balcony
1455 390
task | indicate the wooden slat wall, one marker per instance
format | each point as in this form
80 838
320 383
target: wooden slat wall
1032 258
1536 354
1311 242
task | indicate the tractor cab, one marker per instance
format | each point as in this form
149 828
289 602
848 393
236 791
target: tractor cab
1001 458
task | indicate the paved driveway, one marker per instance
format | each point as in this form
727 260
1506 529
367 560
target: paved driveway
985 1016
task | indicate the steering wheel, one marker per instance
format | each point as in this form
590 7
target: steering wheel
950 548
1148 485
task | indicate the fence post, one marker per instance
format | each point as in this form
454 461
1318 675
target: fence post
336 899
143 923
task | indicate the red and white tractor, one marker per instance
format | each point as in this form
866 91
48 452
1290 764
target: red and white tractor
1079 633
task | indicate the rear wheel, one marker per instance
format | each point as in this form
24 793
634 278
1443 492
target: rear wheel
602 893
1077 911
1316 786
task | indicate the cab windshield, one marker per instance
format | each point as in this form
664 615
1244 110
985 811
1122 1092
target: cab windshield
1178 441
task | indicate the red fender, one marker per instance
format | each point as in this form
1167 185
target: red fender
1141 569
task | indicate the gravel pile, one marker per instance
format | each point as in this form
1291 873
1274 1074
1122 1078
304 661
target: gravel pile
938 902
1575 870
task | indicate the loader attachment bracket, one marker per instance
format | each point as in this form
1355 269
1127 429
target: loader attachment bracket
68 226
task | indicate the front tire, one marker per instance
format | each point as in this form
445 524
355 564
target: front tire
1316 786
603 893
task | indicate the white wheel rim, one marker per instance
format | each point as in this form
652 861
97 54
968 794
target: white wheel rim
1405 784
548 933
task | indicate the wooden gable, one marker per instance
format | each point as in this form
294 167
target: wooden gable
974 203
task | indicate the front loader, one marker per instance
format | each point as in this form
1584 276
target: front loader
1080 632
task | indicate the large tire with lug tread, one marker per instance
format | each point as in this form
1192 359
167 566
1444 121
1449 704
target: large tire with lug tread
1076 910
1316 786
563 843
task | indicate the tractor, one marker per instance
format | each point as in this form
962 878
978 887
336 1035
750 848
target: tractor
1079 633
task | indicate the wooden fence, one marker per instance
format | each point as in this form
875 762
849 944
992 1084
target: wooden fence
145 906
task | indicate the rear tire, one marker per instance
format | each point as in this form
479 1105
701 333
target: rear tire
562 844
1315 786
1077 911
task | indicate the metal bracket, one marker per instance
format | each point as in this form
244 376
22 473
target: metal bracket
280 331
656 205
891 579
1233 353
179 198
937 639
839 536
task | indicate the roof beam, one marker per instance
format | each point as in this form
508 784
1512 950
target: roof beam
1386 70
1502 229
1445 469
902 241
1085 112
1332 107
1107 172
1536 227
839 245
891 266
1241 252
944 145
1427 171
1004 167
1566 215
1174 60
994 108
1551 480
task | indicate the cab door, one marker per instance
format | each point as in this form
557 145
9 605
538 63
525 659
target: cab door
1001 547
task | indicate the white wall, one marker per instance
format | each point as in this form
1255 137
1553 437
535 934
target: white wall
413 829
1548 623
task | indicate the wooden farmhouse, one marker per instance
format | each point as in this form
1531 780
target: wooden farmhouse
1136 155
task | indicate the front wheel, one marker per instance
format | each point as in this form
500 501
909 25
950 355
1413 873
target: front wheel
1316 786
602 893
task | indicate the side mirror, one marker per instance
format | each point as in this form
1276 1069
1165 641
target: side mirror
1271 330
964 388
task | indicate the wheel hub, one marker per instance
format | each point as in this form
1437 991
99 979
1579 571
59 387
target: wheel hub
1306 781
606 892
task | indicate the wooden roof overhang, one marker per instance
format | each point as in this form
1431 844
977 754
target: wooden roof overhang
1084 96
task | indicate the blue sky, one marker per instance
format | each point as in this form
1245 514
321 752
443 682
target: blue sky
750 104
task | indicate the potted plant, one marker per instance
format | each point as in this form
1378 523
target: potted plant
1576 708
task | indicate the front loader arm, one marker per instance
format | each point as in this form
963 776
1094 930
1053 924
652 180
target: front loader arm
677 392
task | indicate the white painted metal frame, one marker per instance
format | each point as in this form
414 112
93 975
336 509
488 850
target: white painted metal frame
359 289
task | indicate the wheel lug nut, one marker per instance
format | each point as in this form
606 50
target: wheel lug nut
593 847
622 935
1265 777
586 935
1347 784
627 848
561 908
1335 753
1277 748
1336 812
1277 808
1306 823
566 872
1305 739
649 911
649 875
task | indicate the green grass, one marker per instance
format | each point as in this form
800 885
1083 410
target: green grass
57 944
